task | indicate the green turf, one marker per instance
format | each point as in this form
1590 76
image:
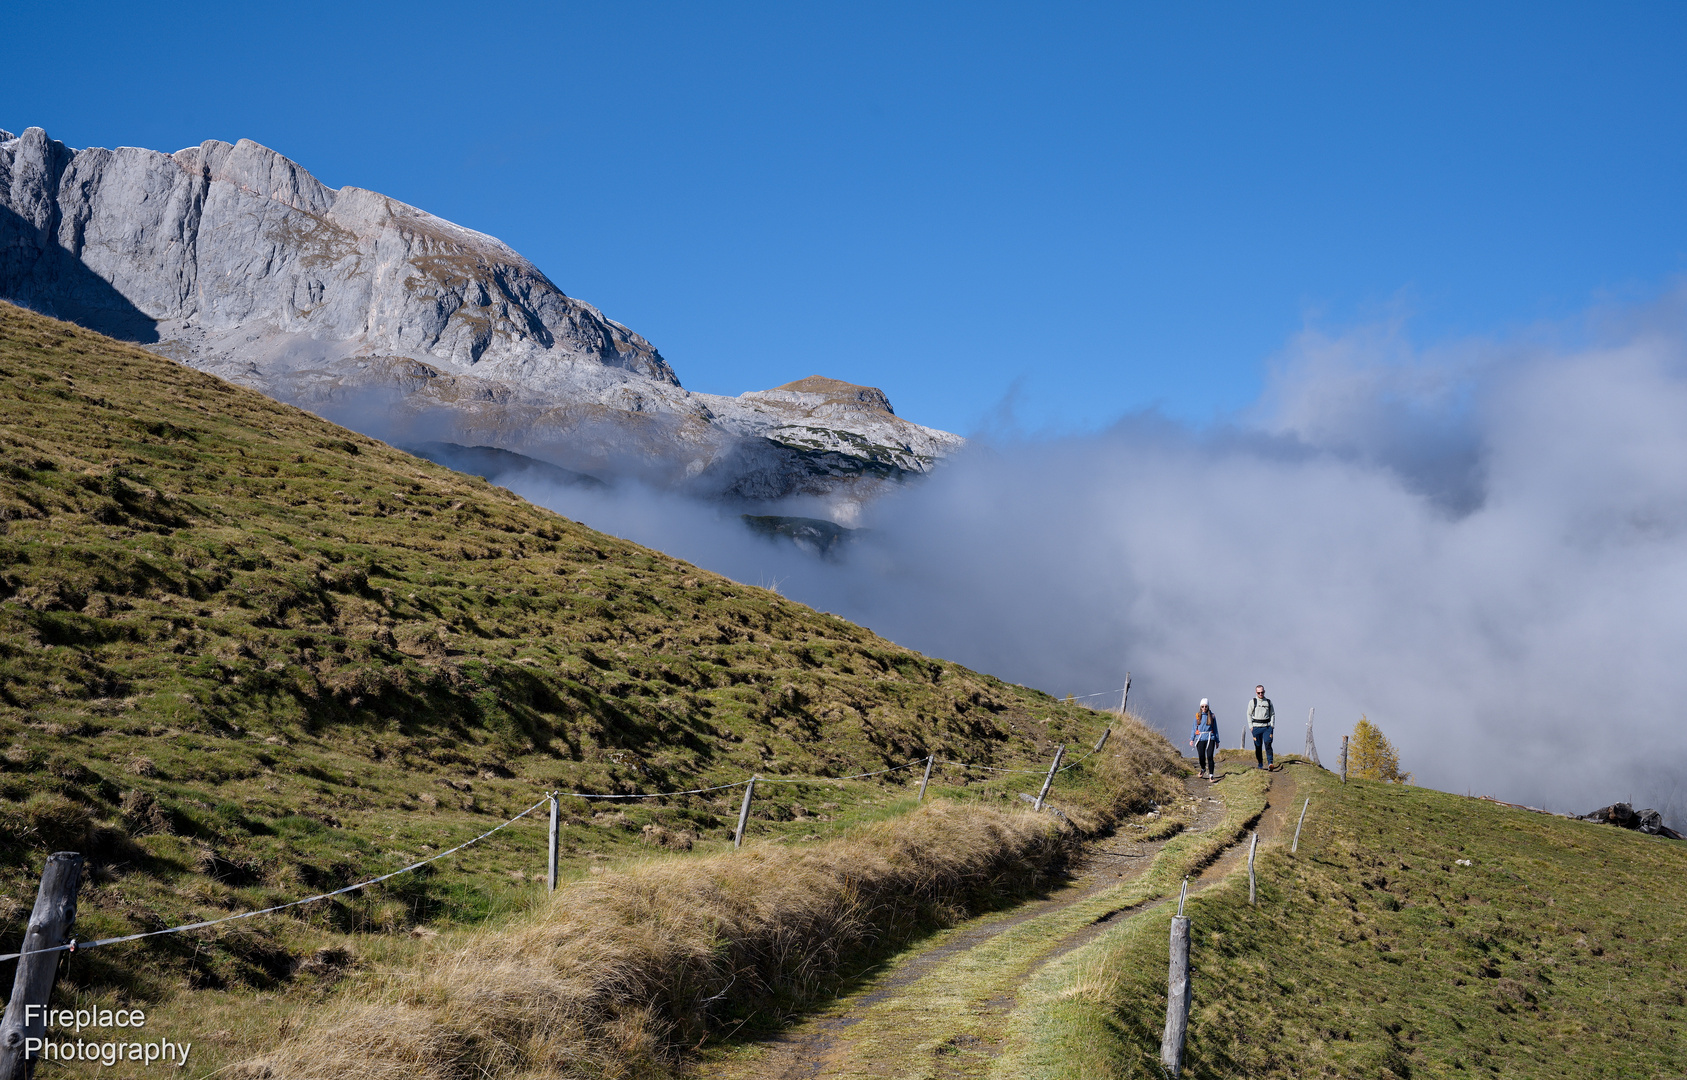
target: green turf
1558 952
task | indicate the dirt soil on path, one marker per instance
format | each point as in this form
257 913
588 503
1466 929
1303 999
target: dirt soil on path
940 1010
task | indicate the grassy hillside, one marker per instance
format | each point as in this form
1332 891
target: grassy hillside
1414 934
246 655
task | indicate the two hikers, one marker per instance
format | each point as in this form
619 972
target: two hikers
1204 738
1262 720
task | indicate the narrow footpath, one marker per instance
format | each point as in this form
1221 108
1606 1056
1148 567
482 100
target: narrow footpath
940 1010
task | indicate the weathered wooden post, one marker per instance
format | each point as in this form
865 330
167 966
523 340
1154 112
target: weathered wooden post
926 779
550 873
744 812
1048 781
1344 759
1252 847
49 928
1125 695
1311 747
1294 847
1102 741
1177 992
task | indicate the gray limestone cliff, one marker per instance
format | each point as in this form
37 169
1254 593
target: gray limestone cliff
235 260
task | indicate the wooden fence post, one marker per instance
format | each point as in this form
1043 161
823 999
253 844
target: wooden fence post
49 927
1048 782
1125 695
1344 759
1252 847
1177 998
926 779
1102 741
1294 847
744 812
550 873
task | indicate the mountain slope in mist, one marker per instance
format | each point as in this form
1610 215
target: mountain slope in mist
236 260
246 655
1482 547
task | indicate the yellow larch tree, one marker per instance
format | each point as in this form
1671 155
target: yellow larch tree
1372 757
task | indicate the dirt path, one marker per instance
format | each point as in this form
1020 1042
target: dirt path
940 1010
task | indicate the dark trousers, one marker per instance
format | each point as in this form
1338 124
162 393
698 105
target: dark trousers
1207 751
1262 745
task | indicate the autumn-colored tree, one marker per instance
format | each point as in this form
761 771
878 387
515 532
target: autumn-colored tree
1372 757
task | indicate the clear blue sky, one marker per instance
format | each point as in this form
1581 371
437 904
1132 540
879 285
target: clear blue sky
1110 206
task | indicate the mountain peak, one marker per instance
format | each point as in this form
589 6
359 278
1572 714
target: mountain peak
235 260
836 392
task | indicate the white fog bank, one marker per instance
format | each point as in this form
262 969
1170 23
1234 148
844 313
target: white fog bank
1483 548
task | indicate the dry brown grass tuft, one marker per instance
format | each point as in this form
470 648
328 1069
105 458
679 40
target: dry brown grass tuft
623 971
1139 767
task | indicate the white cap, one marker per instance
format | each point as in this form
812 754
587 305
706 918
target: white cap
1203 701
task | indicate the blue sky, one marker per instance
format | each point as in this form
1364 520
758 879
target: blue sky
1091 209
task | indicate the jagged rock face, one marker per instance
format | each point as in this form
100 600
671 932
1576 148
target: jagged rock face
237 261
219 238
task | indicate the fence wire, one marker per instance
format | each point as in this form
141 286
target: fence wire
74 946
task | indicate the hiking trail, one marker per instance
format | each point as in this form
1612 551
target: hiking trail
939 1011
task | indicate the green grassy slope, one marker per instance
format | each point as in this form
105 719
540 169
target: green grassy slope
1558 951
246 655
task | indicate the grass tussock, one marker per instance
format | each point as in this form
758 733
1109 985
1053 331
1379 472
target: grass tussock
625 970
1138 769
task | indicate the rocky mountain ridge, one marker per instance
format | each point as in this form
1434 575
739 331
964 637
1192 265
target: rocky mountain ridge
237 261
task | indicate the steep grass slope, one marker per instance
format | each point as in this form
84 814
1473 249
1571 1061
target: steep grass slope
1414 934
246 655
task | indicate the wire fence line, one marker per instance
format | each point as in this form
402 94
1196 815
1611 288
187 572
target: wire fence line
651 795
1086 697
855 776
73 945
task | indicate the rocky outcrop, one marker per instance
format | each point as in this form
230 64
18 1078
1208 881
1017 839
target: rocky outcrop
1625 816
235 260
812 535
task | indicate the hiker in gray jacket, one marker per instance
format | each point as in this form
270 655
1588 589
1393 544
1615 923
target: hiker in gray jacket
1262 718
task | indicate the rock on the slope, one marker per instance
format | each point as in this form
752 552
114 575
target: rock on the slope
500 466
233 259
1625 816
813 535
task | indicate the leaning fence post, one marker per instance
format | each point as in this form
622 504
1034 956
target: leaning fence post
550 873
744 812
1048 781
1252 847
1177 997
49 927
1102 741
926 779
1294 847
1344 759
1125 695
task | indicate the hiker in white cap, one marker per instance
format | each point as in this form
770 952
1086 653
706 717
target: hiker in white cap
1204 738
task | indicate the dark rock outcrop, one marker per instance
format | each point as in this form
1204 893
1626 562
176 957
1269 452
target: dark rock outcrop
1625 816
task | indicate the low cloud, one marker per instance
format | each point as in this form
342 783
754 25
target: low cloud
1483 548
